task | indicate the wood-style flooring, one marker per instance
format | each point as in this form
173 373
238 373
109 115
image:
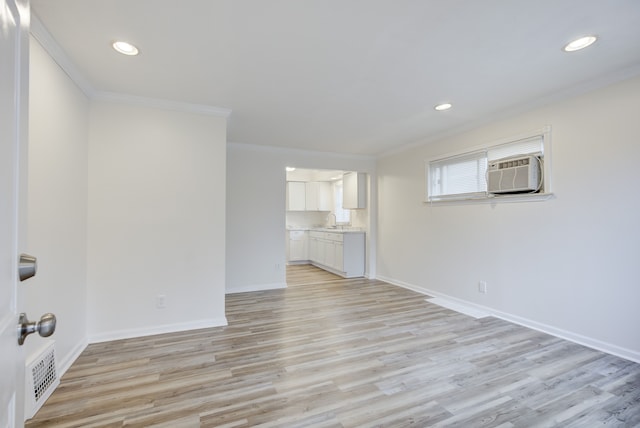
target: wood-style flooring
345 353
309 274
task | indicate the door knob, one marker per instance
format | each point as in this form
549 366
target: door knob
45 327
27 266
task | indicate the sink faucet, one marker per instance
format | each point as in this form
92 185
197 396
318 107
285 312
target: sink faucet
335 220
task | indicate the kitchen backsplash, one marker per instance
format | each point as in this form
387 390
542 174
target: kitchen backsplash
359 218
306 218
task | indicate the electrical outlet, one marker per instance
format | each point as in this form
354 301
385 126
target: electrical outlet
277 266
482 287
161 301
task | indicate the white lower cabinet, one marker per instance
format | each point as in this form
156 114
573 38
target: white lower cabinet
340 253
297 246
339 257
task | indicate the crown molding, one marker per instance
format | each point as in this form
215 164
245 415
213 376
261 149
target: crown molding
162 104
297 151
42 35
558 96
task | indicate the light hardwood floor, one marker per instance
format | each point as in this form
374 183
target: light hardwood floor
345 353
308 274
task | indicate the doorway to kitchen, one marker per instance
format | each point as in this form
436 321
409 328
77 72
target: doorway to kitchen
327 221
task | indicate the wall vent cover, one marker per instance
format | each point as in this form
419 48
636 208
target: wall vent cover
41 379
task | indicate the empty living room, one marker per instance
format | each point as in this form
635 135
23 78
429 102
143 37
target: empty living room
223 213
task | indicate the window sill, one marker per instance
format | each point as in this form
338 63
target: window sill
495 199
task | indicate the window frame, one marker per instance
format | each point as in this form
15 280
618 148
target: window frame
486 197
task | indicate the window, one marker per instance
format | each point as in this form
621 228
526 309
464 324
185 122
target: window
342 216
463 176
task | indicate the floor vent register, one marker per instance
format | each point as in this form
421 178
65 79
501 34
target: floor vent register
41 379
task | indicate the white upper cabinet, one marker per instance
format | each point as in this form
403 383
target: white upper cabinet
325 193
296 196
354 194
318 196
309 196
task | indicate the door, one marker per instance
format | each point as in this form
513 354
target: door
14 19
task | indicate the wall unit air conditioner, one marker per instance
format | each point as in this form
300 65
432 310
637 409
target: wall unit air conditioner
515 174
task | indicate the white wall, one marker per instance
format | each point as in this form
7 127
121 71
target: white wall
256 210
570 265
57 205
156 220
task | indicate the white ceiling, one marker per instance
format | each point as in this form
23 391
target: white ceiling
349 76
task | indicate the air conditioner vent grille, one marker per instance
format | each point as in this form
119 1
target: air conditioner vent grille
513 163
515 174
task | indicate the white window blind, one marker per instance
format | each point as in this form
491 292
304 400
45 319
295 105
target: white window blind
458 176
533 145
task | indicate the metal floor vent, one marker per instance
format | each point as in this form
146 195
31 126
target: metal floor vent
42 379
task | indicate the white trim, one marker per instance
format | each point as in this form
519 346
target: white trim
461 308
72 356
42 35
609 348
513 111
495 199
150 331
162 104
256 287
289 150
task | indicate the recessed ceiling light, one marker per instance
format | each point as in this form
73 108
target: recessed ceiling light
290 169
580 43
443 106
125 48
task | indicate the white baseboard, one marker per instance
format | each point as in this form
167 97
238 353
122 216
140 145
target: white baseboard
609 348
70 358
150 331
455 306
256 287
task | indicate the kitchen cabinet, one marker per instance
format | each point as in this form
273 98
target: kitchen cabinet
318 196
314 249
309 196
296 199
297 246
354 193
342 253
339 257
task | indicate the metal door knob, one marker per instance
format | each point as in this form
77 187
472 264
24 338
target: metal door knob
45 327
27 266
